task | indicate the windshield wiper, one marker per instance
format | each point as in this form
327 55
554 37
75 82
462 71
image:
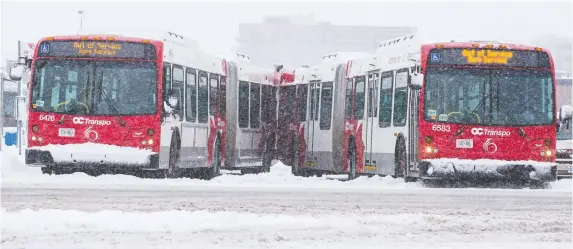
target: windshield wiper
74 103
511 117
108 101
467 118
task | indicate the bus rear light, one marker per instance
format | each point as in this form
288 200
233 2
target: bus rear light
150 132
35 128
429 139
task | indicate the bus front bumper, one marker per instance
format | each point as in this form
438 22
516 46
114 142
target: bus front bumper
113 157
483 169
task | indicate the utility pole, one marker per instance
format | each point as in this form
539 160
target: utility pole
18 114
81 15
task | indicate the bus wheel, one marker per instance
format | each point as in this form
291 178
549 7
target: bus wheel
267 159
400 158
352 163
47 170
215 169
174 157
295 168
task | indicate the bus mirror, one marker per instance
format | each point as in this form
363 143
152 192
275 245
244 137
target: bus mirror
16 72
416 80
565 112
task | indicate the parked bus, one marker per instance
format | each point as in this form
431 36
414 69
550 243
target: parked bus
432 110
159 107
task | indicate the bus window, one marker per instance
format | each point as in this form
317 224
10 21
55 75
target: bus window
255 108
214 95
223 96
243 104
385 114
203 99
400 98
178 77
191 96
359 98
348 100
326 106
314 97
302 92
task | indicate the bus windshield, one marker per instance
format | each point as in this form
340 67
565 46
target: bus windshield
498 97
97 87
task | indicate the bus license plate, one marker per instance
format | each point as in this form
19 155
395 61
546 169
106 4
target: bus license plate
464 143
66 132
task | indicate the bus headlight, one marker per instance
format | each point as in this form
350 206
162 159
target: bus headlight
150 141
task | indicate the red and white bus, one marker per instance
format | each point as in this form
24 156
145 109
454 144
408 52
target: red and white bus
157 106
431 110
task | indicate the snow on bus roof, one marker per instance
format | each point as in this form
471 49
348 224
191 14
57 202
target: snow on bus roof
246 71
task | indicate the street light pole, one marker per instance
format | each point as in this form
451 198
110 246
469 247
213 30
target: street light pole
81 14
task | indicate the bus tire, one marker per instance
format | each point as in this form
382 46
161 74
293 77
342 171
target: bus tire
295 168
215 169
352 161
400 158
267 159
174 158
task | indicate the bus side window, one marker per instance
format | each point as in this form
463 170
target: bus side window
302 92
326 106
214 94
401 98
359 98
166 80
255 106
385 111
191 96
203 99
243 104
178 77
348 99
223 96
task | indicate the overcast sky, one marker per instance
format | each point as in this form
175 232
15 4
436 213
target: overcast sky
215 24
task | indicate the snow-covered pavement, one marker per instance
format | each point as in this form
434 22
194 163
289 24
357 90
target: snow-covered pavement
274 210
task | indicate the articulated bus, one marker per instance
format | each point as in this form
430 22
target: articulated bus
430 110
157 107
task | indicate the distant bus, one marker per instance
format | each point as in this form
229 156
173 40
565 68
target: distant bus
157 107
9 98
425 110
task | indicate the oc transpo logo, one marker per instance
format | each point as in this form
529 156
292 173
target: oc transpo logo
487 132
90 134
82 120
488 146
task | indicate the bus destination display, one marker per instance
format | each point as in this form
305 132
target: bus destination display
96 49
464 56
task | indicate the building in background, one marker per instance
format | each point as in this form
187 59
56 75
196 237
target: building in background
302 40
564 88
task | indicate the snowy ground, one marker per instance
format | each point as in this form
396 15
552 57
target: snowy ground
274 210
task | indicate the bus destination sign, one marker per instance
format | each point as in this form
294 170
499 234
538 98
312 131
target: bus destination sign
96 49
464 56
